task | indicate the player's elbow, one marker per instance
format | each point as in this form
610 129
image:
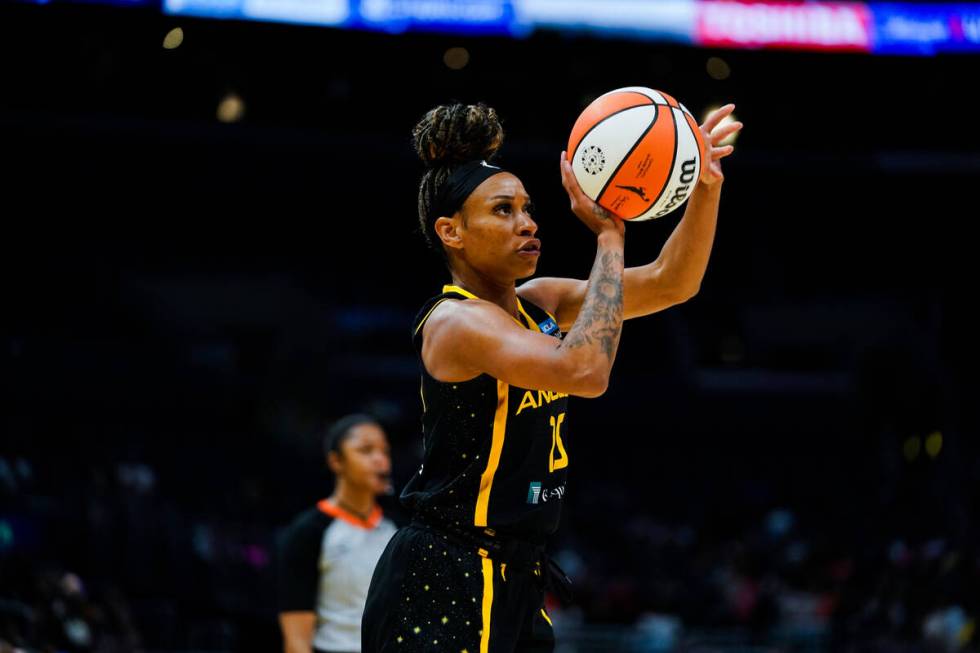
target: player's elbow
592 385
589 394
585 377
684 294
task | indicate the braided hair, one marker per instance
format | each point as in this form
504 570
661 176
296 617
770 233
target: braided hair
446 137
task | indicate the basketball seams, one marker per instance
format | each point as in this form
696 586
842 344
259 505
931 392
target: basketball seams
673 162
667 174
688 120
630 151
649 102
698 137
671 101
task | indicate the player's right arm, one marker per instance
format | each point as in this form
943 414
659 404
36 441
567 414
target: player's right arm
463 339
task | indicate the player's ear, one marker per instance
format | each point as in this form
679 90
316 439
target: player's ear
335 463
448 230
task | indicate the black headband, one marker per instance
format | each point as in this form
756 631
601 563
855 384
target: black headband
460 184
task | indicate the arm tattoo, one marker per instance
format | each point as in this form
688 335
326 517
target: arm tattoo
600 320
600 212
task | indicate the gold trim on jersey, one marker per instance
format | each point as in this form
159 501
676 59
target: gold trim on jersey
530 320
451 288
428 314
469 295
487 604
547 618
496 446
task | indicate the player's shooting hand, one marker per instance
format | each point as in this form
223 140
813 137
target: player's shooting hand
595 217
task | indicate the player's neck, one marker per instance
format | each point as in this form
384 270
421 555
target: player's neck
503 295
357 502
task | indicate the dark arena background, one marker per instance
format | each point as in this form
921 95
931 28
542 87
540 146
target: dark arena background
209 251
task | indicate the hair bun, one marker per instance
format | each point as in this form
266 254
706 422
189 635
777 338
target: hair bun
449 135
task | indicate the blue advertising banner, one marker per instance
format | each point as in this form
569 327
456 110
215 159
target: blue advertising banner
921 29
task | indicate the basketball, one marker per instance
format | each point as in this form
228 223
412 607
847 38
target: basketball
636 152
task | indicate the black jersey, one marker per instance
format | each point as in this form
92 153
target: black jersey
495 455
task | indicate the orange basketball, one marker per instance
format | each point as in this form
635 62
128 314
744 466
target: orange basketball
637 152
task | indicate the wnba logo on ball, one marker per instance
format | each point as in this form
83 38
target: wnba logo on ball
593 160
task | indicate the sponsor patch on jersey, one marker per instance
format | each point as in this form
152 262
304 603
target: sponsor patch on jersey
533 492
549 326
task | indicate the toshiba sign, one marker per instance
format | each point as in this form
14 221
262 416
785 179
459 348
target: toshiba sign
811 26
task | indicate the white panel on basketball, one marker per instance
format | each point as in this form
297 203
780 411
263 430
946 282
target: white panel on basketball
642 90
683 176
603 148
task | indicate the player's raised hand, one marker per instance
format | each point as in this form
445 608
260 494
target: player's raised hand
713 135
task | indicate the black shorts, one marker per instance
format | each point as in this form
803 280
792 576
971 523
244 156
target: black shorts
432 593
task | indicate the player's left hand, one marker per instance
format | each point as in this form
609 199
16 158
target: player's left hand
713 134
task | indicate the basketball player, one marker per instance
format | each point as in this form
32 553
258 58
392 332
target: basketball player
468 575
327 554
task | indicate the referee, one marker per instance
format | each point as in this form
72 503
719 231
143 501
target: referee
327 554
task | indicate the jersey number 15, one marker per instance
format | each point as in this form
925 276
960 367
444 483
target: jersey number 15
562 459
